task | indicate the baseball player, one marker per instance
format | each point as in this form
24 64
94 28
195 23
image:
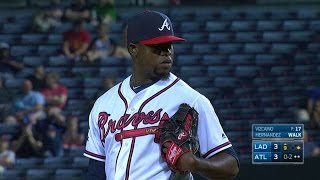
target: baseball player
122 139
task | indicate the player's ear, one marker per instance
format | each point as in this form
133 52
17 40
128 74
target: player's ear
133 49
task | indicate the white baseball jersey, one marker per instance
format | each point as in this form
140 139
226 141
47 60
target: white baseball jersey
122 123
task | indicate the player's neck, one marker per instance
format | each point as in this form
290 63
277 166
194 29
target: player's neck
137 80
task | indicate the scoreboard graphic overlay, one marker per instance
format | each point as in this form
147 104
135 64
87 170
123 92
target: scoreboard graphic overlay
277 144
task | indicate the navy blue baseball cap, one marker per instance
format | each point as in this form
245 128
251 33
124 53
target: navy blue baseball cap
150 27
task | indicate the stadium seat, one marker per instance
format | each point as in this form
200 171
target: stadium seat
189 71
55 39
33 38
28 163
217 26
183 15
256 48
313 47
182 48
244 92
268 25
304 58
266 59
246 71
280 70
60 60
190 26
11 28
256 14
62 71
195 37
57 162
280 81
232 14
14 83
113 71
23 50
215 59
263 81
304 69
13 174
203 48
274 36
92 82
9 38
206 15
238 59
307 14
49 50
111 61
300 36
76 152
225 82
282 14
314 25
38 174
63 28
8 129
217 71
26 71
229 48
187 60
247 37
80 162
217 37
283 48
71 82
196 82
34 60
69 174
242 26
294 25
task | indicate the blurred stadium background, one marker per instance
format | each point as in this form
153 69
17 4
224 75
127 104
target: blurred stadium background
255 60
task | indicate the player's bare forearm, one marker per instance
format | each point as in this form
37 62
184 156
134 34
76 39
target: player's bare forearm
220 166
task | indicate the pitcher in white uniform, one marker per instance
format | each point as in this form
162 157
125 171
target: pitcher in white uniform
122 136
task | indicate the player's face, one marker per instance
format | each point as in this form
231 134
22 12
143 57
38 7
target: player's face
156 59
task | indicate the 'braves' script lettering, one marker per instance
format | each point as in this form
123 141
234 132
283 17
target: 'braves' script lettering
135 119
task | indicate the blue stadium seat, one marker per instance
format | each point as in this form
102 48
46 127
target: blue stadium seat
114 71
183 48
280 70
242 26
49 50
116 27
313 48
304 69
187 60
38 174
263 81
256 14
215 59
203 48
196 82
293 101
246 71
70 174
33 38
237 59
55 39
268 25
308 80
283 48
217 37
274 36
300 36
80 162
304 58
183 15
256 47
28 163
94 82
63 71
76 152
8 129
9 38
281 14
205 15
12 28
229 48
244 92
26 71
294 25
229 14
34 60
71 82
217 71
59 61
57 162
267 91
307 13
209 92
111 61
247 36
266 59
89 93
225 82
217 26
14 83
189 71
13 174
314 25
195 37
190 26
23 50
63 28
281 81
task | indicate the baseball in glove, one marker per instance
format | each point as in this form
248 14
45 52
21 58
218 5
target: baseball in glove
181 132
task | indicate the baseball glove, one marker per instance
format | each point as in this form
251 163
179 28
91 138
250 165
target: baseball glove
181 132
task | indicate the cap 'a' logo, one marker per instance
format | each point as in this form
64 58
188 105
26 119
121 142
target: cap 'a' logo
165 24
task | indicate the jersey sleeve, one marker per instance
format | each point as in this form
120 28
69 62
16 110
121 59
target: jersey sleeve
94 147
212 138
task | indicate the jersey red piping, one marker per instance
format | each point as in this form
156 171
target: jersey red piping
216 148
140 109
94 155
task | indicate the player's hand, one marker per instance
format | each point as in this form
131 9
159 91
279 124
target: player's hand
186 162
